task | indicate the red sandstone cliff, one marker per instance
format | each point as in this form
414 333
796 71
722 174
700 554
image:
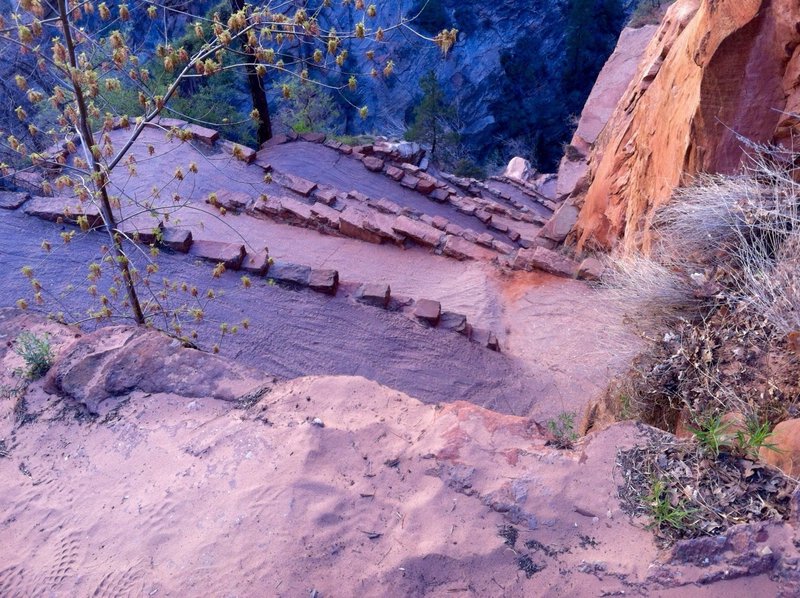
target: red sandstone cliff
714 70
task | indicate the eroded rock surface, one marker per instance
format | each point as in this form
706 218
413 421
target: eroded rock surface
330 484
714 71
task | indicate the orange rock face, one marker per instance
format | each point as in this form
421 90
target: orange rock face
716 69
784 452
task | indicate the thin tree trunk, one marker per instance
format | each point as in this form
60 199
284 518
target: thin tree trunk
87 136
257 92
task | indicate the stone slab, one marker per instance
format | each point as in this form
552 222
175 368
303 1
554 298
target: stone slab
230 254
286 272
422 233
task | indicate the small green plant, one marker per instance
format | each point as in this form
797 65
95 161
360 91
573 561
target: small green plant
663 511
36 352
563 430
712 434
749 441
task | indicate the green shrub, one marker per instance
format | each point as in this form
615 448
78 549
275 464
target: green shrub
36 352
563 430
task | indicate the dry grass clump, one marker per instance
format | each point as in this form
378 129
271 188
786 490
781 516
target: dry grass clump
719 298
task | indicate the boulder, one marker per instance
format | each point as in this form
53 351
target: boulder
376 294
409 181
426 186
501 247
295 211
230 254
518 169
10 200
422 233
142 230
358 196
547 260
561 223
439 222
324 281
440 195
387 207
114 361
485 239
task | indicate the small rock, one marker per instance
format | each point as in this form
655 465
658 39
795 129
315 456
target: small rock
395 173
300 185
176 239
591 269
409 181
324 281
376 294
426 186
485 239
439 195
428 311
326 196
373 164
318 422
453 322
313 137
485 338
257 262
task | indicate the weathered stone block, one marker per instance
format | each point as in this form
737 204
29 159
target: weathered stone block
422 233
373 164
324 281
286 272
256 262
204 134
176 239
230 254
377 294
428 311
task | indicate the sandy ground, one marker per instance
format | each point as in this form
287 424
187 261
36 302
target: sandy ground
176 495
